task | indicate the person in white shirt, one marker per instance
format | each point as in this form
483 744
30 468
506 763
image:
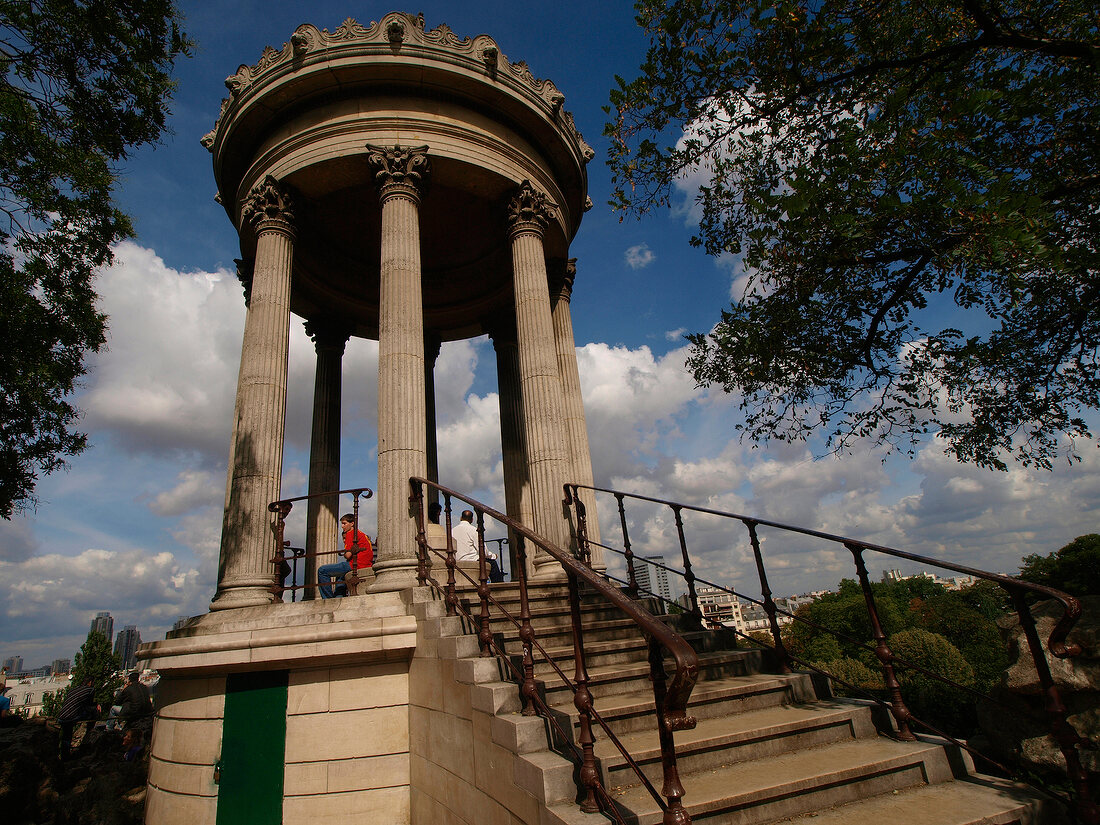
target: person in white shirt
466 544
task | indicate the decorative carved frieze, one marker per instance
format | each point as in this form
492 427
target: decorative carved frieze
395 31
530 210
400 170
399 28
269 207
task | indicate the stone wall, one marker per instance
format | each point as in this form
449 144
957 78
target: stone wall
347 714
459 774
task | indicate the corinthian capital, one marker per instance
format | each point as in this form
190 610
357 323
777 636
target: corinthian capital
530 210
562 275
328 333
400 171
269 207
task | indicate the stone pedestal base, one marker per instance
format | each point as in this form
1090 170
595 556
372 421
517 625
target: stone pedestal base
347 722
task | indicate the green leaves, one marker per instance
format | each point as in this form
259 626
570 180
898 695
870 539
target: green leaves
81 85
880 167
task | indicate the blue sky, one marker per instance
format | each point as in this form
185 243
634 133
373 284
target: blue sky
133 527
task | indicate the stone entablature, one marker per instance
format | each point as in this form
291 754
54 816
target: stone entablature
393 52
395 30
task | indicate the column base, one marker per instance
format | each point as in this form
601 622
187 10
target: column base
547 570
393 575
251 594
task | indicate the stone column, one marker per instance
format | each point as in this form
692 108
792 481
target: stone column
576 429
245 573
517 486
322 516
401 176
431 353
529 213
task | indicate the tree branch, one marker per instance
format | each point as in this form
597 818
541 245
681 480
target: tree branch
891 301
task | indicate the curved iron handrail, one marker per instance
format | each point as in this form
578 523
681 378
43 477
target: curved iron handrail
670 698
1062 731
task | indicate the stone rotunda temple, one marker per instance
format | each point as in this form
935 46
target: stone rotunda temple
412 187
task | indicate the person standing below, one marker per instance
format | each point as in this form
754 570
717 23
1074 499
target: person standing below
354 540
466 545
5 701
135 701
79 706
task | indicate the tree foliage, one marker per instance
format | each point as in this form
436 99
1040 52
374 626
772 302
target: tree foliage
51 703
926 625
97 662
82 83
912 190
1074 568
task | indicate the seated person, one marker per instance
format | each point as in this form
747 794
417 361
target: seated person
353 539
466 546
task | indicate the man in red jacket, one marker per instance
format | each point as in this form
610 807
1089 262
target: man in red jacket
354 540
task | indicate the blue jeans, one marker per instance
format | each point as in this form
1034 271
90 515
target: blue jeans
327 572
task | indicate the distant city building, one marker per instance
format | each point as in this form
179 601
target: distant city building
952 583
180 622
126 646
14 664
61 666
652 578
26 695
720 607
104 625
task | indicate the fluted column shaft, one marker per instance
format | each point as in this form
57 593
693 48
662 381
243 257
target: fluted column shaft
540 384
322 516
576 428
431 354
245 572
517 486
401 176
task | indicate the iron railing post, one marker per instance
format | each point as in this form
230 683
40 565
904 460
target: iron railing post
281 509
529 690
582 701
886 656
416 502
769 603
452 597
632 581
689 576
1061 730
584 551
672 788
485 633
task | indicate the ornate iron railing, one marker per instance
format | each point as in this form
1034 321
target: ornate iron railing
284 567
1061 730
670 695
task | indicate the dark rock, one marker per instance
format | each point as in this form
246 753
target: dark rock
1016 724
95 786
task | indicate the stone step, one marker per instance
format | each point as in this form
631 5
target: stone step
976 800
628 712
725 740
768 789
630 677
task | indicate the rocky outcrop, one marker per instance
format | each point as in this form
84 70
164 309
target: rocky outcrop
1021 735
95 786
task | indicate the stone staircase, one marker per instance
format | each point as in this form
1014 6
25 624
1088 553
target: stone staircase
766 748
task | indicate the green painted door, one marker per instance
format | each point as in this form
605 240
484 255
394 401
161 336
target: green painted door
250 783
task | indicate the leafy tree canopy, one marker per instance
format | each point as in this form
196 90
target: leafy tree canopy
82 83
97 662
912 189
1074 568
